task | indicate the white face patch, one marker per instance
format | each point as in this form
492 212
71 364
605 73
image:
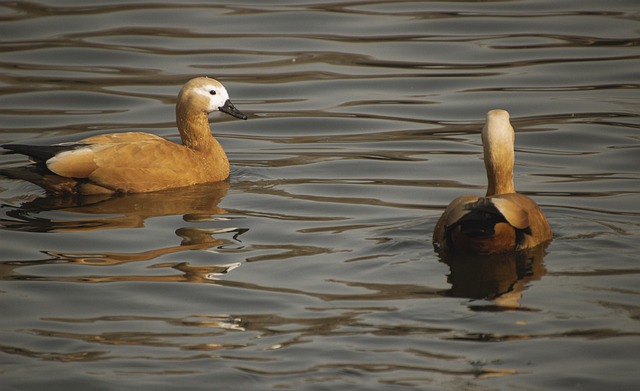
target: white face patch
216 94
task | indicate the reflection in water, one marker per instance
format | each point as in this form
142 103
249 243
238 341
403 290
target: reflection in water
93 355
498 277
190 273
194 239
87 213
130 210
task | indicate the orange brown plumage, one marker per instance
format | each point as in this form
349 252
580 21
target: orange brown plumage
502 220
138 162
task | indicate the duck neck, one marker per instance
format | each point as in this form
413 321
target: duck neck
195 131
499 165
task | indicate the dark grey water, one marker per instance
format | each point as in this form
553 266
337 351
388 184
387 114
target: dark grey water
313 268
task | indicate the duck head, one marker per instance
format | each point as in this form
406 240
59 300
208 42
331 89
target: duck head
209 95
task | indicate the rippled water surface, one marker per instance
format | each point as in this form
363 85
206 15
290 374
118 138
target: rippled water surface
313 267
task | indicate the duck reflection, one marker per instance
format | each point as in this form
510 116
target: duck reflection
95 212
497 277
78 214
189 273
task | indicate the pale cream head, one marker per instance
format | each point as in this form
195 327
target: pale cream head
498 140
209 93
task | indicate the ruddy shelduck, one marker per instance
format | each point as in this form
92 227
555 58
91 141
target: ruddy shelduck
501 221
137 162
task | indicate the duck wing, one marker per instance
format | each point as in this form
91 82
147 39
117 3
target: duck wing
501 223
40 153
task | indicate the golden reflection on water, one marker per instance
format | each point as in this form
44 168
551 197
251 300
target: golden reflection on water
189 273
498 277
117 211
194 204
56 356
501 278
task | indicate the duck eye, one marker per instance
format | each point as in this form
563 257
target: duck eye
212 92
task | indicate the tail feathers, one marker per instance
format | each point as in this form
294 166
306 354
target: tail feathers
480 217
479 223
39 153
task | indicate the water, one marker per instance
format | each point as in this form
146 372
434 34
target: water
313 268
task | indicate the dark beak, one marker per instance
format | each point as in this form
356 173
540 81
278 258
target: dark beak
230 109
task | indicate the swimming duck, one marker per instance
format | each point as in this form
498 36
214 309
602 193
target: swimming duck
502 220
137 162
